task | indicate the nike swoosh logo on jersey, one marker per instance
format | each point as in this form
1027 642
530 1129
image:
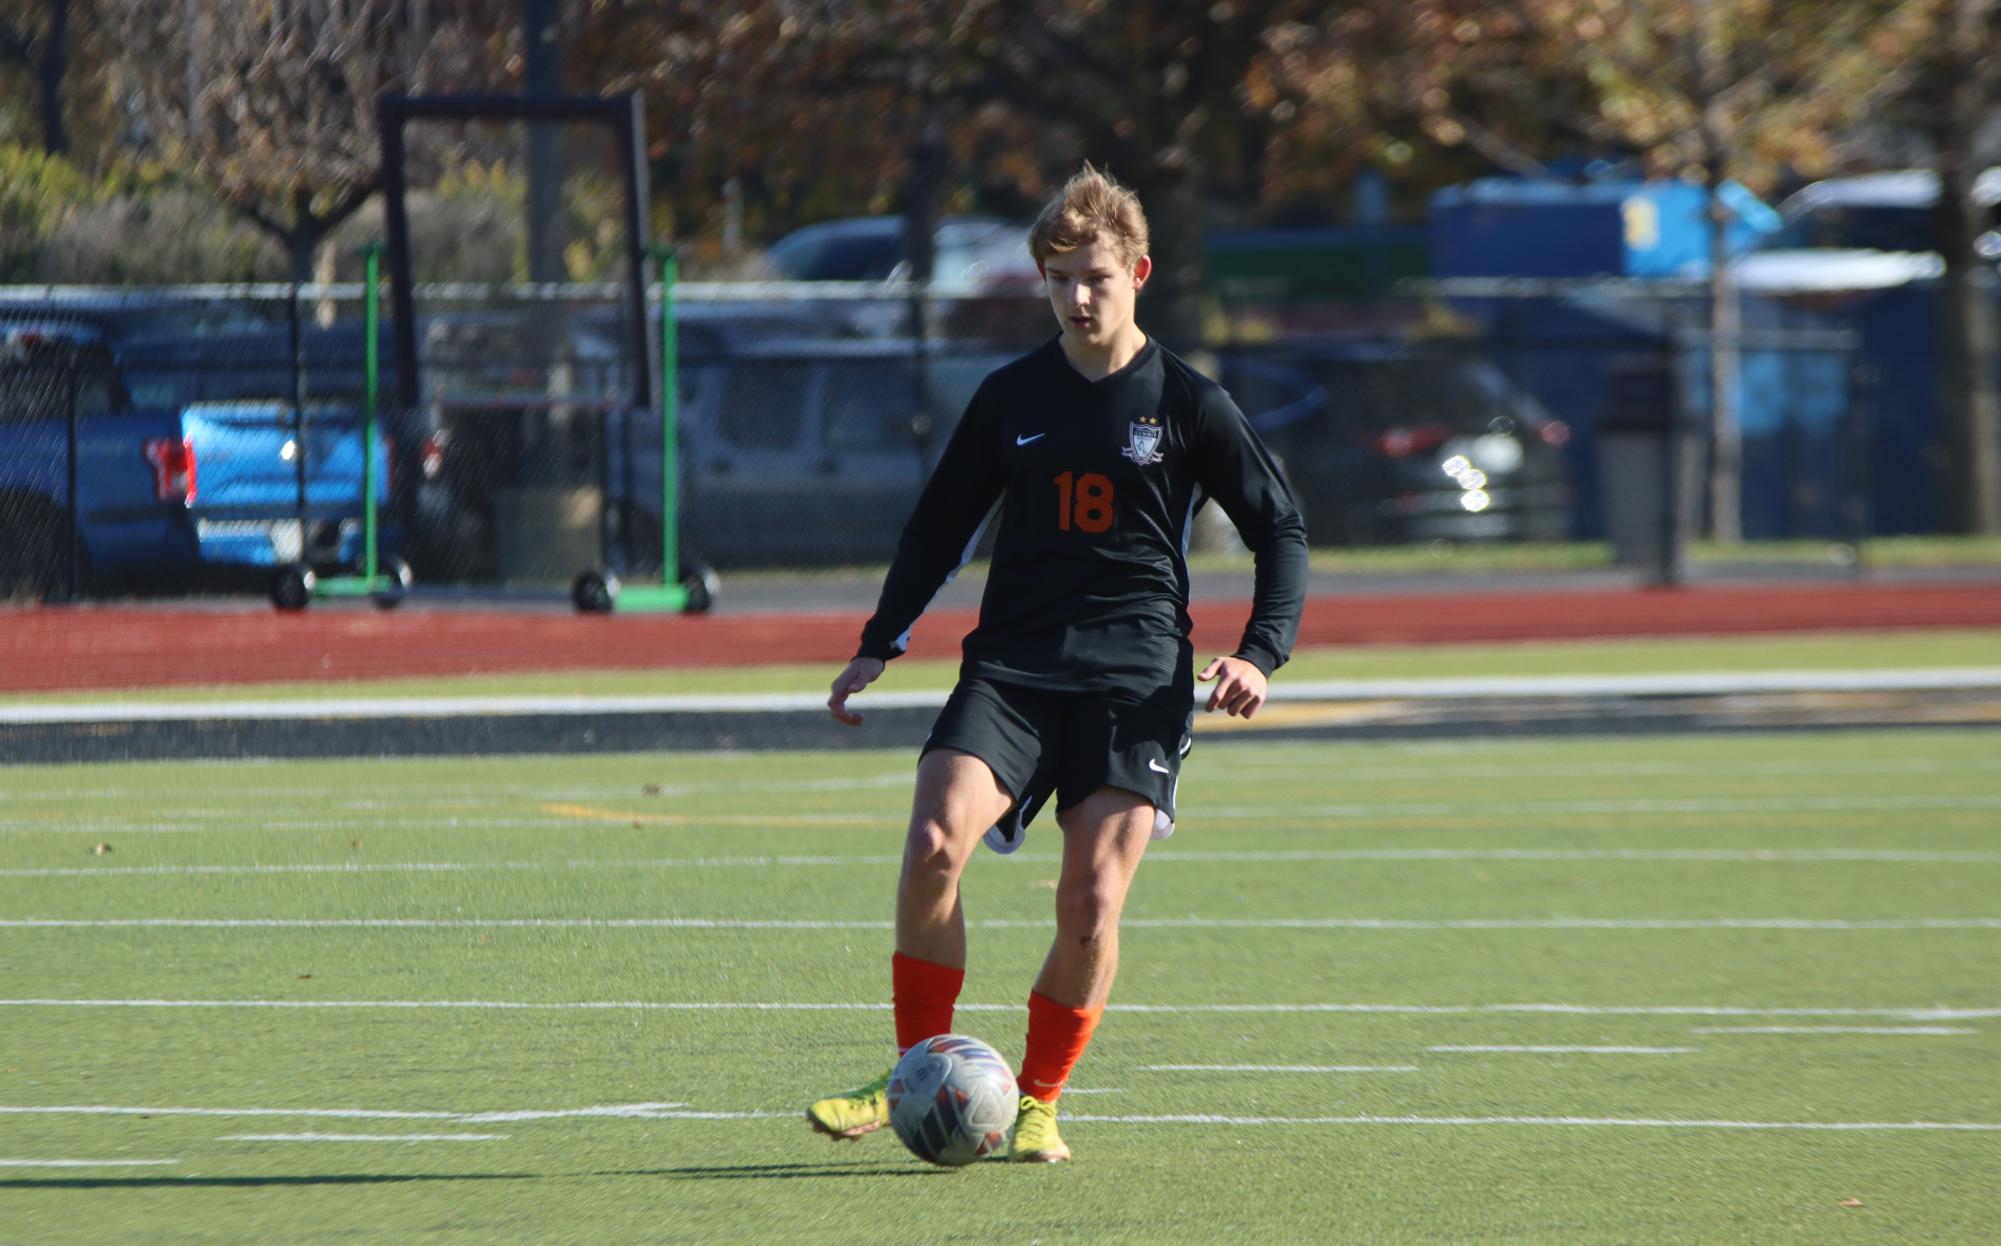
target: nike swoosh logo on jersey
1022 441
1153 765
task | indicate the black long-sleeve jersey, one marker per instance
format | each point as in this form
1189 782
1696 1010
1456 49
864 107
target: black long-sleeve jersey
1098 483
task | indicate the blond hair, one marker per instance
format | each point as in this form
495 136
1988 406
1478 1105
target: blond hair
1090 207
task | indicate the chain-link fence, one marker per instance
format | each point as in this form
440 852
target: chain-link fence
57 395
179 438
1544 411
214 434
1618 359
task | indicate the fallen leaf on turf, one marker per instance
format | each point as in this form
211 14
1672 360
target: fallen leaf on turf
651 789
100 850
1851 1202
354 843
304 976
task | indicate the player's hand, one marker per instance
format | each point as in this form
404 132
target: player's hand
1240 686
858 674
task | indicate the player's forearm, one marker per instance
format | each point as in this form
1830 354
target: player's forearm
1278 594
932 548
906 591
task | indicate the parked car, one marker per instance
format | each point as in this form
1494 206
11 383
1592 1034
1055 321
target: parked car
505 400
794 451
175 495
1895 211
973 250
1409 444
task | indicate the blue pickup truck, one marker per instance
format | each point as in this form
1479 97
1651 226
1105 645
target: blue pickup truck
172 495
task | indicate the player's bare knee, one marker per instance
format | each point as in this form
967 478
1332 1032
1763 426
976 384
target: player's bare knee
928 856
1087 913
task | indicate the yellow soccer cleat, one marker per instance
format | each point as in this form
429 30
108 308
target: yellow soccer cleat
1035 1138
849 1116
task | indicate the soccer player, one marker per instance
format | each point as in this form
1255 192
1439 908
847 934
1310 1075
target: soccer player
1079 679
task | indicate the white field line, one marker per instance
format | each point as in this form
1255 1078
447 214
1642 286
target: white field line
247 821
1684 684
1459 1121
1727 855
482 867
1001 923
1554 1121
485 796
466 796
1270 761
1910 1013
1516 808
1540 1050
1577 855
1899 1030
363 1138
1164 856
667 1112
352 708
1690 683
85 1163
616 1110
1278 1068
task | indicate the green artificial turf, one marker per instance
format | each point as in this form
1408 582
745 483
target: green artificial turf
507 942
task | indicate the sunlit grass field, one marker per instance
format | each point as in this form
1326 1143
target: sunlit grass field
1732 989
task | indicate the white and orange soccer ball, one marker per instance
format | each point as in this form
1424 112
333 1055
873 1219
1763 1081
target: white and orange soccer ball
952 1100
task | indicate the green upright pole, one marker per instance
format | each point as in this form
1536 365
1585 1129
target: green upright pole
670 398
370 582
670 593
369 483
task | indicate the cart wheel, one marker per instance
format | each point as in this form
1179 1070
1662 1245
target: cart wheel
594 592
400 578
292 586
702 585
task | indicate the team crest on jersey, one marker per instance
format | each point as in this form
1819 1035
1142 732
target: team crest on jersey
1143 442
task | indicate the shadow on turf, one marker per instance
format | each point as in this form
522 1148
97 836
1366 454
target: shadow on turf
729 1172
763 1172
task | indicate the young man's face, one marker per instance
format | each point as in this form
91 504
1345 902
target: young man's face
1092 291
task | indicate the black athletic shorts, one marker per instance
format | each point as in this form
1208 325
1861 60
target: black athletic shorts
1070 743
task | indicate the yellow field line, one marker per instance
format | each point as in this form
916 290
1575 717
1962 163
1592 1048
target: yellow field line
594 814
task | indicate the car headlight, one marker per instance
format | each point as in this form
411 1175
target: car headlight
1462 471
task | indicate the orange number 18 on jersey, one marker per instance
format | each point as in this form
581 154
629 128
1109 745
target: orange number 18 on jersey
1085 501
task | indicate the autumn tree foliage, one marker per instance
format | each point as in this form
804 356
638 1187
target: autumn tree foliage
825 108
270 104
1705 90
767 114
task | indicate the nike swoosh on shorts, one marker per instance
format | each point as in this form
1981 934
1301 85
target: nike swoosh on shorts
1022 441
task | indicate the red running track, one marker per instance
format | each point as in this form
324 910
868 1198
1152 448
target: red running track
99 647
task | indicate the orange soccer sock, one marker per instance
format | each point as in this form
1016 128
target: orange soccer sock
923 993
1057 1036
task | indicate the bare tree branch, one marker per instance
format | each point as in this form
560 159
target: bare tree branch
282 119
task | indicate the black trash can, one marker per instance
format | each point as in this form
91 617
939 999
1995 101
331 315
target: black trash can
1637 474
